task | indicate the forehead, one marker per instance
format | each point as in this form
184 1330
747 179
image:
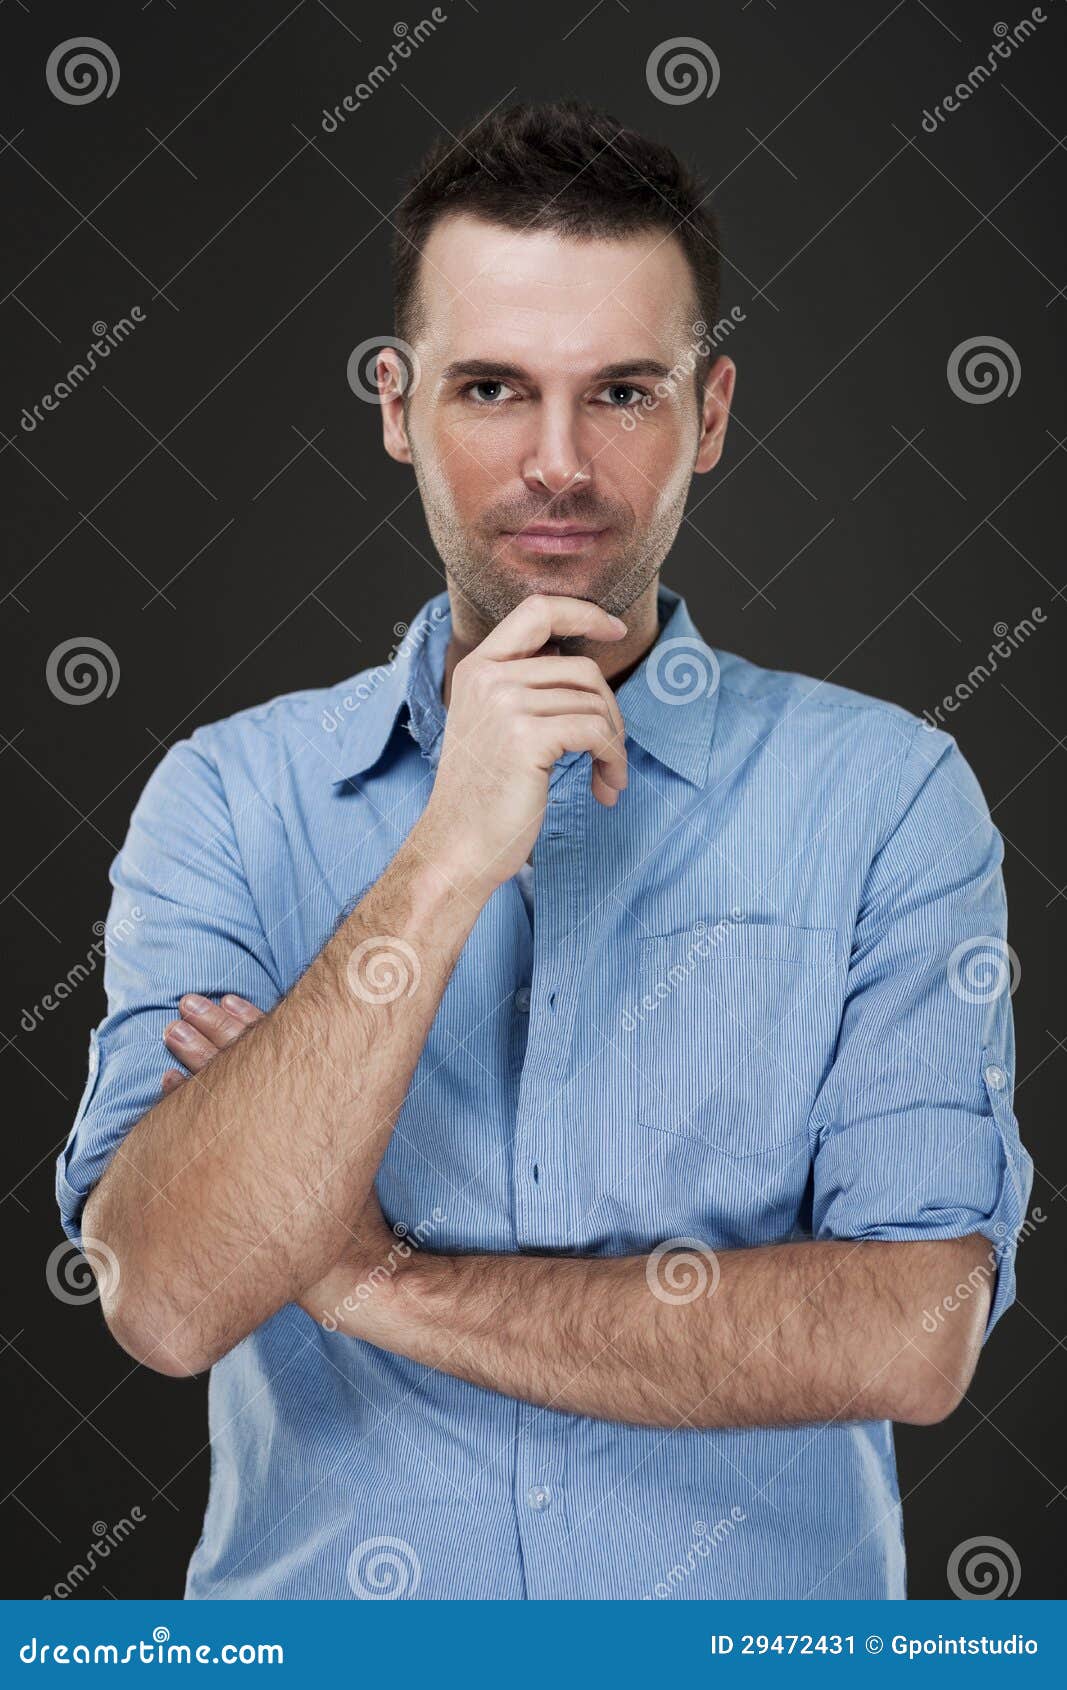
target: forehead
532 295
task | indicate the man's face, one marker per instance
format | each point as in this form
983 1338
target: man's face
542 464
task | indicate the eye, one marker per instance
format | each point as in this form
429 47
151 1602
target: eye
487 393
624 396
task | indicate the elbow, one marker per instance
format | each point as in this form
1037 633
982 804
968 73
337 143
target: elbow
932 1382
152 1339
929 1399
145 1323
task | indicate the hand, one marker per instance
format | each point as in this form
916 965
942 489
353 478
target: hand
511 716
204 1029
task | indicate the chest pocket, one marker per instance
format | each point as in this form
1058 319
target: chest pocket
737 1025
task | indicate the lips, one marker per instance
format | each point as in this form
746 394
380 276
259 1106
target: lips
555 536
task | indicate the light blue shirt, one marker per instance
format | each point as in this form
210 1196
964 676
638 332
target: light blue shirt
764 999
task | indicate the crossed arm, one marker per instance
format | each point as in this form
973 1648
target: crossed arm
782 1334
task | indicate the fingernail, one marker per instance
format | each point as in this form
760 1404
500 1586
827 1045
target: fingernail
197 1004
180 1033
232 1001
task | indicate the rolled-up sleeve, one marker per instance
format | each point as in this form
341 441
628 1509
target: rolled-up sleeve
182 918
914 1128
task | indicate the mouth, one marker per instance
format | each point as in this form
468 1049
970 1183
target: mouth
555 537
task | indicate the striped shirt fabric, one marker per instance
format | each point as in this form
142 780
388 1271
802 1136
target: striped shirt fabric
766 998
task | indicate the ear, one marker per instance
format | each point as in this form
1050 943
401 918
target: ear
391 374
718 394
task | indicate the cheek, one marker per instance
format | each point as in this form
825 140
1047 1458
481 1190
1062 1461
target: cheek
647 464
475 455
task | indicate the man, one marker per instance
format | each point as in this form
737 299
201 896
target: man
593 1113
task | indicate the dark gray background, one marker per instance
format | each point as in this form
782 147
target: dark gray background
215 505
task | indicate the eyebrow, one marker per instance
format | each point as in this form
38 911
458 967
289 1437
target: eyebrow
484 369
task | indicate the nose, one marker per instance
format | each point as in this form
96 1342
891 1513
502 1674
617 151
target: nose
553 461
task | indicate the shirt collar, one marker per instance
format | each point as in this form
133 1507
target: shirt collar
669 703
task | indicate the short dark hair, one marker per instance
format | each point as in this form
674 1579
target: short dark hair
563 166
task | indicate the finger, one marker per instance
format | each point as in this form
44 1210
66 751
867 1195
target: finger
563 702
579 672
190 1047
244 1011
588 732
172 1079
215 1023
611 768
547 616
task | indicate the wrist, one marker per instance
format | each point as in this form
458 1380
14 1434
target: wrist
450 866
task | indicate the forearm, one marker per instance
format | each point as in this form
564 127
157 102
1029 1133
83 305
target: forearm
789 1333
240 1187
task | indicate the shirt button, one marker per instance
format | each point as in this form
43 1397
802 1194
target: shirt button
522 1000
539 1497
996 1077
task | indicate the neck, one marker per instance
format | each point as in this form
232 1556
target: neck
615 659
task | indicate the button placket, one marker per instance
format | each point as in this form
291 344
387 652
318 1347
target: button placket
542 1203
